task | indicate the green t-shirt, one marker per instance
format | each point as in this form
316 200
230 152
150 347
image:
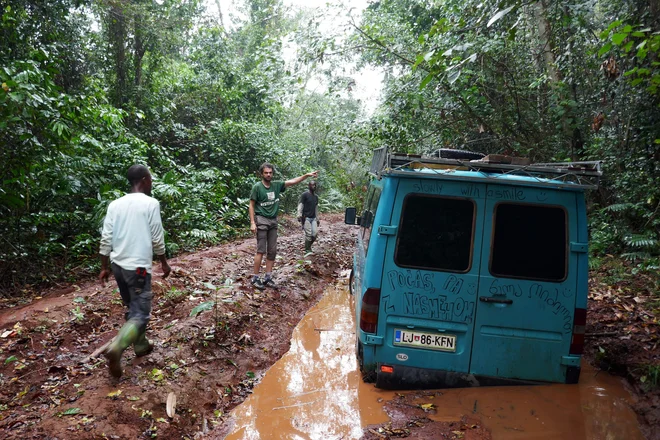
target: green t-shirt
267 200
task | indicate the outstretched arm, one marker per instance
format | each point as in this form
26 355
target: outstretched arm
299 179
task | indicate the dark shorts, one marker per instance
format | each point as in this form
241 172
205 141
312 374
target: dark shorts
266 236
135 291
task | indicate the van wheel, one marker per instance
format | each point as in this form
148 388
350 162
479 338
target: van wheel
367 376
351 279
450 153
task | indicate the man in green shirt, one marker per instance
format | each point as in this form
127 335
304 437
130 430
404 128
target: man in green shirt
264 205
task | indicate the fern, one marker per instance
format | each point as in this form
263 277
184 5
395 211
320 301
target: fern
636 256
620 207
595 263
640 241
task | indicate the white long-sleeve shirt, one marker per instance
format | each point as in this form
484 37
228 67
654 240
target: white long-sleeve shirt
133 231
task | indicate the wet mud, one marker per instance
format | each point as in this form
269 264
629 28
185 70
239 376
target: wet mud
315 392
51 388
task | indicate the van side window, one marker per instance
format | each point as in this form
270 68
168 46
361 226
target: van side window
368 215
435 233
529 242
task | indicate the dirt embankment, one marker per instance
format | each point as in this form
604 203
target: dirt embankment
50 387
623 336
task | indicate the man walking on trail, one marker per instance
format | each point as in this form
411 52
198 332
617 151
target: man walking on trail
132 233
264 205
308 215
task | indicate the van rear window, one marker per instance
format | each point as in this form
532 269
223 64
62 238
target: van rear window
529 242
435 233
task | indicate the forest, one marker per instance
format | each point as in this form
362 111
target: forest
202 97
204 91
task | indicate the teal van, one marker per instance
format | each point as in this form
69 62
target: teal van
471 270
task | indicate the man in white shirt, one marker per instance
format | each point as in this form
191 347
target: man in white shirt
132 233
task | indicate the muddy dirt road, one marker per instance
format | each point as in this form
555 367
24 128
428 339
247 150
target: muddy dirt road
215 339
315 392
50 387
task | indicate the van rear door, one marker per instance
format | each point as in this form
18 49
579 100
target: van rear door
430 274
527 288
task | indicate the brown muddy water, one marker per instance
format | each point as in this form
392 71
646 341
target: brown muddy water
315 392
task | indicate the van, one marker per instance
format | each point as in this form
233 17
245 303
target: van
471 271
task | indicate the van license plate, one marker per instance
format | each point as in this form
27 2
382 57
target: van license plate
432 341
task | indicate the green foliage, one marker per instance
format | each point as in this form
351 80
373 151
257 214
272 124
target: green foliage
89 88
543 80
651 377
203 307
175 295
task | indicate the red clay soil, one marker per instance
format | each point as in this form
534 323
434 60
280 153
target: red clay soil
409 413
50 387
623 336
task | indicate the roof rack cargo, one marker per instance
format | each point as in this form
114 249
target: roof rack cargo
584 175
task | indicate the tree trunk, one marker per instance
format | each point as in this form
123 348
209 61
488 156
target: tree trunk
138 56
117 35
546 55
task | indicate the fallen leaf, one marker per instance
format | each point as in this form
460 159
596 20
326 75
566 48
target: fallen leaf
114 394
156 375
171 405
71 412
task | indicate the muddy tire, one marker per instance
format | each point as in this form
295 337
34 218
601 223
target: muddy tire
351 280
449 153
367 376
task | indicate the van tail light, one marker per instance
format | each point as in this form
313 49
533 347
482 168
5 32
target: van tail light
369 311
579 323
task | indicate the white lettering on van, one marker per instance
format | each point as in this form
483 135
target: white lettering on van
429 186
411 279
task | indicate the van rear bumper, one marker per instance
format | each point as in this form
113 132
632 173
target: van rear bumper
408 378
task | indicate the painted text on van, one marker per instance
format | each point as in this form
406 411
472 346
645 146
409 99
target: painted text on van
470 191
505 289
514 194
411 279
544 295
428 187
457 310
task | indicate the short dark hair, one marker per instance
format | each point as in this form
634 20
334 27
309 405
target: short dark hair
137 173
266 165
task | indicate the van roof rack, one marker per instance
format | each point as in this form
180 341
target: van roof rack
585 175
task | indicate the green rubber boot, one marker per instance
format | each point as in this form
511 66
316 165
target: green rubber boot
142 345
127 336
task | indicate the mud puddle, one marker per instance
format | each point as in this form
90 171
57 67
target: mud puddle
315 392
